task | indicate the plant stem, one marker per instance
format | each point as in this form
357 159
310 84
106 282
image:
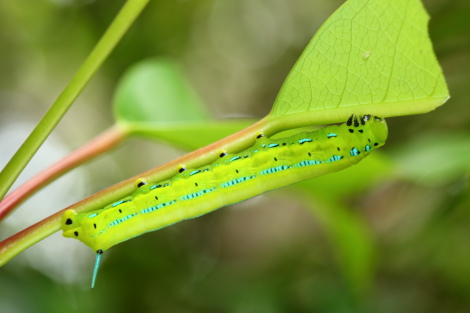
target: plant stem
129 12
103 143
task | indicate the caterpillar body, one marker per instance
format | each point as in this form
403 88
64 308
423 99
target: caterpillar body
269 164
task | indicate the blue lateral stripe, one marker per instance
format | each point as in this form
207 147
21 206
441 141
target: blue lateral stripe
155 186
194 172
197 194
334 158
304 140
236 181
120 220
307 162
273 145
92 215
154 208
119 202
274 169
331 135
354 152
235 158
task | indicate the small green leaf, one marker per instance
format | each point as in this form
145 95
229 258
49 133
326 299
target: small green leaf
369 57
156 91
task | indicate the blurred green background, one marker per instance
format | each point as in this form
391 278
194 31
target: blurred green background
389 235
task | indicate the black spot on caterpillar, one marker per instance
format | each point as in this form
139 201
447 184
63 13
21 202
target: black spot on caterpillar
269 164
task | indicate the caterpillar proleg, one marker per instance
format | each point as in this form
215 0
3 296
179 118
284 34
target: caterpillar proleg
269 164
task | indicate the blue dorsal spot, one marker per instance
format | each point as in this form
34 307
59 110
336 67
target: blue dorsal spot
368 148
155 186
301 141
263 145
166 185
235 158
330 135
99 254
354 152
194 172
92 215
273 145
254 151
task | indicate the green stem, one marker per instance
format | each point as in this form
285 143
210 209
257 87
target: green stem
129 12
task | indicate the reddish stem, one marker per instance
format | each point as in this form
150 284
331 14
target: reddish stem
103 143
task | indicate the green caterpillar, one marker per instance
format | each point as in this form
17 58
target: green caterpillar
267 165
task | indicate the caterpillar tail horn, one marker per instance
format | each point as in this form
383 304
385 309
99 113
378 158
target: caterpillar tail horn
99 254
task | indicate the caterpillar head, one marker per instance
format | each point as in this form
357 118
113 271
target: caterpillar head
75 226
70 224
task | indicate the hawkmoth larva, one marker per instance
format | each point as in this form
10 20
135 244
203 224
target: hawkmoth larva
267 165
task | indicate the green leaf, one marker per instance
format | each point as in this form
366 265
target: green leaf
156 91
369 57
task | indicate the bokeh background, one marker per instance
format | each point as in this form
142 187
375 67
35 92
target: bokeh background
399 243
